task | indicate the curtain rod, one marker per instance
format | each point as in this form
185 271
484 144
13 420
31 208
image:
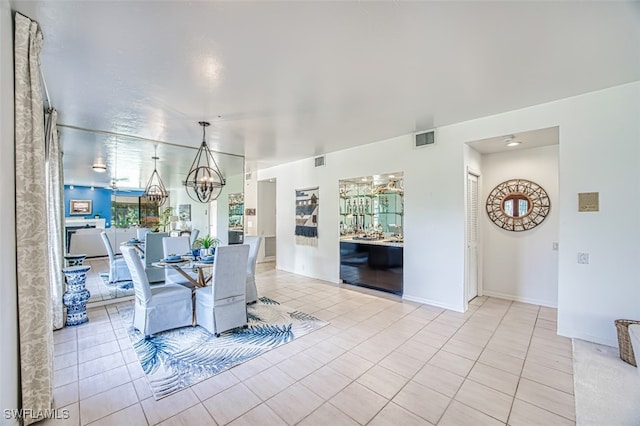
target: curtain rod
106 132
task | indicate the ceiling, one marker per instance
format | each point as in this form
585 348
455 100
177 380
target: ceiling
527 140
281 81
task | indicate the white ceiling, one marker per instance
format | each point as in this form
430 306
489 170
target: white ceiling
282 81
528 140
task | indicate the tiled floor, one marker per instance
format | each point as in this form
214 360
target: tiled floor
99 291
379 362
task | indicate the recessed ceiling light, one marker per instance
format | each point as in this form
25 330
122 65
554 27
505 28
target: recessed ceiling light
99 167
364 179
511 141
392 176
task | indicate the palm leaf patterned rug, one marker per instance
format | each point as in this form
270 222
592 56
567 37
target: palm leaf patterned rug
176 359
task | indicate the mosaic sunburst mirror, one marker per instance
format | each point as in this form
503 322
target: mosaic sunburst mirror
518 205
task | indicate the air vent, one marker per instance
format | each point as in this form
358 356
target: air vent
319 161
425 138
247 176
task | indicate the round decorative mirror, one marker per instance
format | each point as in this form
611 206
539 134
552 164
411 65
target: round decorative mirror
518 205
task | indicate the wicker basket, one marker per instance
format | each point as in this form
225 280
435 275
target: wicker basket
624 342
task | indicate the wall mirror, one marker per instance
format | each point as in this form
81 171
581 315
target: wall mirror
518 205
110 171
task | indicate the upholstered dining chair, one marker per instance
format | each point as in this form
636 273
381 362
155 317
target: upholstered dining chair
222 306
159 308
153 252
179 246
118 270
141 233
194 236
254 247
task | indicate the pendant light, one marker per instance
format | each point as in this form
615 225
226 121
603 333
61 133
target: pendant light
155 191
204 180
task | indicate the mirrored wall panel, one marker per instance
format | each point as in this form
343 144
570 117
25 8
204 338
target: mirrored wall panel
105 176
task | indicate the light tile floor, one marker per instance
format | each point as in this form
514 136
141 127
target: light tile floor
381 361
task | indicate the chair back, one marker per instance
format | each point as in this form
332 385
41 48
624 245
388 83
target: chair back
254 247
153 246
141 232
194 236
229 271
176 245
138 276
107 245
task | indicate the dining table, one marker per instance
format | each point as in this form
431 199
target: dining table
189 263
137 244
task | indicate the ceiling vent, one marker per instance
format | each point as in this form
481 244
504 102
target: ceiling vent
319 161
425 138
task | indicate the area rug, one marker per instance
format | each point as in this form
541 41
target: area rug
176 359
607 389
122 285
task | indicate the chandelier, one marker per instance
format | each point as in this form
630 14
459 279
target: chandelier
204 180
155 192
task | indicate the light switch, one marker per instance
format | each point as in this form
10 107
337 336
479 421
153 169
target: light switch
583 258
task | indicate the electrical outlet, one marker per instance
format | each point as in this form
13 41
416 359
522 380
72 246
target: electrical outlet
583 258
555 246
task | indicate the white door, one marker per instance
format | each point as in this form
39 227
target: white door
472 236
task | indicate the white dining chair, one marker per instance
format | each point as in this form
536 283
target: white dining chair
153 252
222 305
118 270
141 233
159 308
178 246
254 248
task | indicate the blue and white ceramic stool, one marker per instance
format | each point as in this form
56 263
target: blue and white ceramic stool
77 295
74 259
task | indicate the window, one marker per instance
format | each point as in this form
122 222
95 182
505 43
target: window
127 211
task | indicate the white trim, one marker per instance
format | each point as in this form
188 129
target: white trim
589 338
432 303
545 303
108 302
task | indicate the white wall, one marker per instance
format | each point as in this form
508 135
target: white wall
521 266
599 151
9 387
251 194
199 211
434 239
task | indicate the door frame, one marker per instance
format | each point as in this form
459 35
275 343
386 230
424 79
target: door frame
476 173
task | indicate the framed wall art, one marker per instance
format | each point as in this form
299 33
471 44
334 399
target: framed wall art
80 207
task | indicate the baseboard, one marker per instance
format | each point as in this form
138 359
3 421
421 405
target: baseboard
544 303
109 301
572 334
432 303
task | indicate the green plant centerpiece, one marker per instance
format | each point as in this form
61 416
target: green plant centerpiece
165 218
207 243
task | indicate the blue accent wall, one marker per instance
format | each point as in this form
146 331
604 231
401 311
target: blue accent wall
100 197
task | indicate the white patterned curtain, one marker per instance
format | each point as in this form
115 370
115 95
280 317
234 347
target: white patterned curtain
34 290
55 216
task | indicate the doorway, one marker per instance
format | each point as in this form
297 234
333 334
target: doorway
266 219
